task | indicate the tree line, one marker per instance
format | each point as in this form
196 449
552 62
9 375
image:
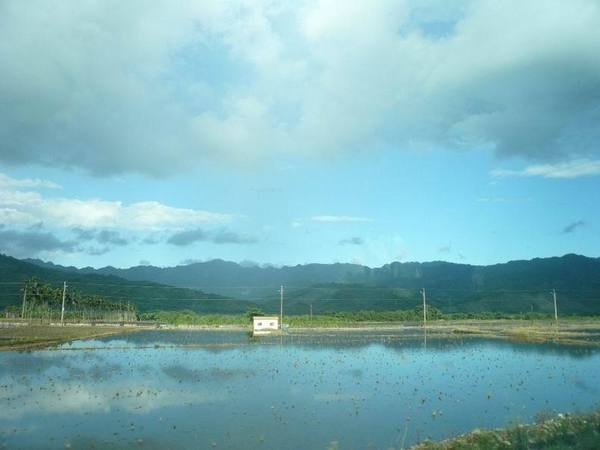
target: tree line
44 302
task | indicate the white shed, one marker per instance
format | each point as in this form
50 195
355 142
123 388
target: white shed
265 324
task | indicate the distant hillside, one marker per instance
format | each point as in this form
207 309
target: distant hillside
221 275
516 286
144 295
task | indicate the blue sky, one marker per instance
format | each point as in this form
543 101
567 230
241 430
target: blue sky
276 133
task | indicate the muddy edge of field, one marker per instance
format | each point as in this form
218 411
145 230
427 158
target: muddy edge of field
575 332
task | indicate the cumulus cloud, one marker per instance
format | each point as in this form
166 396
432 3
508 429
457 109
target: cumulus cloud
151 240
160 87
352 241
111 237
83 234
188 261
31 243
188 237
495 199
339 219
444 249
107 237
29 207
9 182
230 237
98 251
573 226
570 169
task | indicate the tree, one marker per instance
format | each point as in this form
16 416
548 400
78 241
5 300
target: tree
252 312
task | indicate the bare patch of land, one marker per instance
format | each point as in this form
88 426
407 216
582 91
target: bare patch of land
580 332
575 332
22 337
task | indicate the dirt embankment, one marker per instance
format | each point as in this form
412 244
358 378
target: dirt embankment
35 336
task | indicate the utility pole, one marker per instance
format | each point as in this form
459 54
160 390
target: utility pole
311 312
62 313
281 307
24 300
424 307
555 308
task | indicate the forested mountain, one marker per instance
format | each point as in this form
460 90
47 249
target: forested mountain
145 295
516 286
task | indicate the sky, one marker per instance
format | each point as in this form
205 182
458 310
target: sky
271 132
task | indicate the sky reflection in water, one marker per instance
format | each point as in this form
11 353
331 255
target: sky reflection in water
146 391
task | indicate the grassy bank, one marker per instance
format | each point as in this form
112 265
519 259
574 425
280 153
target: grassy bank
573 330
358 318
188 317
32 336
570 330
579 432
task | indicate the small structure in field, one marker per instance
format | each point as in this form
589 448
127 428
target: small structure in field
265 324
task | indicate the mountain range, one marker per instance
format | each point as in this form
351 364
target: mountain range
515 286
145 295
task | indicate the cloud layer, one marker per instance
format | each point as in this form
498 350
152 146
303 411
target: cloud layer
30 243
189 237
28 207
160 87
352 241
573 226
338 219
572 169
7 182
32 223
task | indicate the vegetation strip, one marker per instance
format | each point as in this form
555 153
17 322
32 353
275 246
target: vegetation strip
582 333
578 432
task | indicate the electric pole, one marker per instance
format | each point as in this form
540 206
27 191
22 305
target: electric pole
424 307
555 308
24 300
62 312
281 307
311 312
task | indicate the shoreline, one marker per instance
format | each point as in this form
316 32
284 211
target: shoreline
560 431
47 336
16 336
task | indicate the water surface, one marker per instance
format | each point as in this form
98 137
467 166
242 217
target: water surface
215 389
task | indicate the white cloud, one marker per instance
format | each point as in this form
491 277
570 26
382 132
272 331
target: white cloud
572 169
339 219
9 182
381 249
160 87
21 208
494 199
106 394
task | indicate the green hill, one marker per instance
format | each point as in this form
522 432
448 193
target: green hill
513 287
146 296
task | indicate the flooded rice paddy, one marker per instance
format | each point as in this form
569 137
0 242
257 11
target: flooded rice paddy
215 389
